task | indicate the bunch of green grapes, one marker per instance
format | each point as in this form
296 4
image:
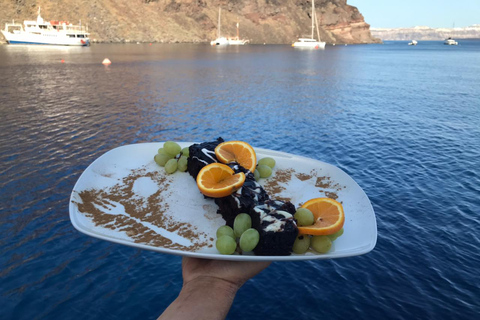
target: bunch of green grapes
242 235
320 244
172 157
264 168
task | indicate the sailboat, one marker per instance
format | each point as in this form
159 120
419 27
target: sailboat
311 42
237 41
220 41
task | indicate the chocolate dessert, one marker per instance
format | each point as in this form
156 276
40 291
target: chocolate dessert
200 155
273 219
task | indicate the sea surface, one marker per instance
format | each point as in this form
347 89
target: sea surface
403 121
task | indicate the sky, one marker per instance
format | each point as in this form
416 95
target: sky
411 13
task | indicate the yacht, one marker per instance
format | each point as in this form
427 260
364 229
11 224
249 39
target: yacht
237 41
413 43
450 42
46 32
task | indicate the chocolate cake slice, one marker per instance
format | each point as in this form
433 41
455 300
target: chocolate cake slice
200 155
243 200
277 228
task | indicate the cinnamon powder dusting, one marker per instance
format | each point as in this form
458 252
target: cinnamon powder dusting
275 185
120 209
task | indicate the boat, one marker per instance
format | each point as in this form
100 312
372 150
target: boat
450 42
44 32
413 43
220 41
237 41
311 42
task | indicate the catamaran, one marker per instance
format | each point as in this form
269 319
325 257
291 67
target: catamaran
311 42
46 32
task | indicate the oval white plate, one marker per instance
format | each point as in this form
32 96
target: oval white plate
126 198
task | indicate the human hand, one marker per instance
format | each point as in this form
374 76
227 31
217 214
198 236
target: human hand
209 287
236 273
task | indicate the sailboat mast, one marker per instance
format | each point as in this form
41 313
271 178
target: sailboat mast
313 12
316 23
219 13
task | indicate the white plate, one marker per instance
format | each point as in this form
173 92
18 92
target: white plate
126 198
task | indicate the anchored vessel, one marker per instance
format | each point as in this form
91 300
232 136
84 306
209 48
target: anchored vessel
450 42
223 41
46 33
311 42
220 41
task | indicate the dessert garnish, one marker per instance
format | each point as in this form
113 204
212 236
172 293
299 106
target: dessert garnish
328 217
218 180
237 151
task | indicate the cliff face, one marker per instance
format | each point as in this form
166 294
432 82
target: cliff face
261 21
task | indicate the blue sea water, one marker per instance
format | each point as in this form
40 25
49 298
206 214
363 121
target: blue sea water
403 121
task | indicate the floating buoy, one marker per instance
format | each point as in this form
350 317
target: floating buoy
106 61
62 61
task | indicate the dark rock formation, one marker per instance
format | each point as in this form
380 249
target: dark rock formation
269 21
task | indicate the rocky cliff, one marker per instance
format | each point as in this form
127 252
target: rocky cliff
261 21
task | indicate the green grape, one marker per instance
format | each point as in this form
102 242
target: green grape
172 148
226 245
337 234
267 161
186 151
301 244
256 174
161 159
321 244
249 240
264 170
182 164
162 151
225 231
241 223
171 166
304 217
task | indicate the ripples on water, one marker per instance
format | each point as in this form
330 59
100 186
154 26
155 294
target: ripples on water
403 121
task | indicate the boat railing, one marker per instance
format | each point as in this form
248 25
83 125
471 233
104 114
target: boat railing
76 28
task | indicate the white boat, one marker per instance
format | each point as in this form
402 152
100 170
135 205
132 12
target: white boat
237 41
450 42
46 33
311 42
413 43
220 41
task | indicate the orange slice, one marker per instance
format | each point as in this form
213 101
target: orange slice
328 216
237 151
218 180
